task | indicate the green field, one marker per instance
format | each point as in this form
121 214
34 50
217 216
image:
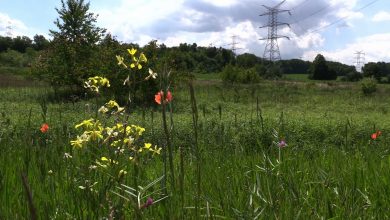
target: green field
330 168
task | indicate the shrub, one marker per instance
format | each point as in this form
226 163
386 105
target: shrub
233 74
273 71
369 86
352 77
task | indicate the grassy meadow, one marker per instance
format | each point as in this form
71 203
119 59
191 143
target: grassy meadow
330 168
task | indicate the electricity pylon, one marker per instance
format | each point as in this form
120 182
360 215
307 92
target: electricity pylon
360 59
271 51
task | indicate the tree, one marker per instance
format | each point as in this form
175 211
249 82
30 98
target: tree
70 56
20 44
372 69
40 42
5 43
247 60
320 69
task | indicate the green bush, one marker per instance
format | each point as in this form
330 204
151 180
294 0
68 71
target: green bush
352 77
272 71
369 86
233 74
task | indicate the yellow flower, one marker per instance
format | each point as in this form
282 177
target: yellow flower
86 124
147 145
104 82
132 51
142 58
120 61
80 140
96 134
94 83
105 159
156 150
139 66
103 110
132 65
77 143
121 173
112 104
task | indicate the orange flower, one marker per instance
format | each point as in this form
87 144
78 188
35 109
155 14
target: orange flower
160 96
375 135
44 128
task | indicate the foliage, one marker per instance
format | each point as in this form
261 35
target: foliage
234 74
353 76
272 71
294 66
376 70
369 86
13 58
320 69
69 59
247 60
340 69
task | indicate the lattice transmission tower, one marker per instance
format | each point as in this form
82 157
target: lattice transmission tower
271 51
360 59
234 44
8 28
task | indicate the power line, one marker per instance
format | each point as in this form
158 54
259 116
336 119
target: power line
343 18
299 5
312 14
271 51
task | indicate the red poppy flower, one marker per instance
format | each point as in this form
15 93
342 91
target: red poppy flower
159 96
44 128
375 135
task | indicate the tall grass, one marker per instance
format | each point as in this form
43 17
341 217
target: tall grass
330 168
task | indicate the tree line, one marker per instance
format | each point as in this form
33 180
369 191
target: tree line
80 49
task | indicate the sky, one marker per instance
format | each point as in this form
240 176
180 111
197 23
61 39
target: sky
336 29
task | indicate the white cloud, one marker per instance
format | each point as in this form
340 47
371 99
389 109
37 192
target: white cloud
221 3
381 16
17 27
375 47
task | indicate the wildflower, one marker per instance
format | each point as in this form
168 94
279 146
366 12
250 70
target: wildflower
375 135
148 203
132 51
94 83
147 145
106 160
160 96
142 58
80 140
44 128
67 156
121 173
50 172
113 104
120 61
282 143
103 110
86 124
151 75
